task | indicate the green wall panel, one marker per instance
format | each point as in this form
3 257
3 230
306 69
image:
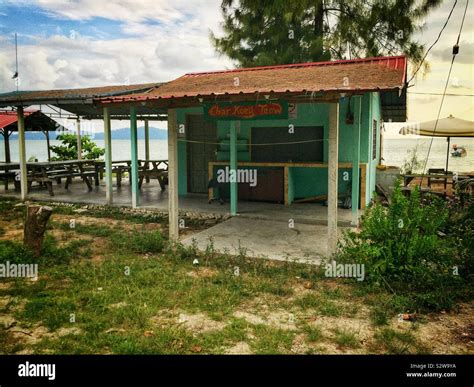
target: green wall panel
305 182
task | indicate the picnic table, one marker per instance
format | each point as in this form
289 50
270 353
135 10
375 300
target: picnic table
147 169
9 171
158 170
46 172
443 178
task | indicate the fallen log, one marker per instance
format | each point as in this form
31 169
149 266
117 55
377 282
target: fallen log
35 225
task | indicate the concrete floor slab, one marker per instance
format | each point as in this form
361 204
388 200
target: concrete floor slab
151 197
265 238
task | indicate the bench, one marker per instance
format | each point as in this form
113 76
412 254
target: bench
10 176
69 175
119 170
160 174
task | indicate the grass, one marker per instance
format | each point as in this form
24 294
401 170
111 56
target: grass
398 342
313 333
121 287
346 338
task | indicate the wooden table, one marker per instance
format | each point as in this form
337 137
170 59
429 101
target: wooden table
10 171
159 171
445 179
154 169
46 172
287 168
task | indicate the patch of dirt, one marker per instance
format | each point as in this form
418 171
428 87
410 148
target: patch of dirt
118 305
6 285
67 331
279 319
448 332
65 237
196 323
7 321
199 323
4 301
203 272
361 327
31 336
106 222
240 348
12 233
299 344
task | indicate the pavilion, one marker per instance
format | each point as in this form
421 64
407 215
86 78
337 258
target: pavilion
340 105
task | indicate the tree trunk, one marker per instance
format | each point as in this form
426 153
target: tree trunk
35 225
319 31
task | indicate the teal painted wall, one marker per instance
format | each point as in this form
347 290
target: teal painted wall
373 162
305 182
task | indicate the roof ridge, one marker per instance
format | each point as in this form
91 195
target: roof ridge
299 65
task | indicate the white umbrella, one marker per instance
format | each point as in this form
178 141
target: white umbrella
446 127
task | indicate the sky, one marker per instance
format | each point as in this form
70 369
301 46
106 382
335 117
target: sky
84 43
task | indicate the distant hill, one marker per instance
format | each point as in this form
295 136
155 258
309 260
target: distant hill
117 134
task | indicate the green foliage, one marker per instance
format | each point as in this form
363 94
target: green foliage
346 338
68 148
460 227
398 342
404 249
412 163
401 242
140 241
51 253
269 32
14 252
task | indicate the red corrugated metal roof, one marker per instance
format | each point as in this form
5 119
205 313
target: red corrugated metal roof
8 118
369 74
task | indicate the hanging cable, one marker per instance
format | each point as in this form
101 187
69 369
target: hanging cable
436 41
455 52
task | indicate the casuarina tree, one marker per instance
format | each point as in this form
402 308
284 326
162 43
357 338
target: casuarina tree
269 32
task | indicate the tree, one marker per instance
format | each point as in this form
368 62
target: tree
269 32
68 148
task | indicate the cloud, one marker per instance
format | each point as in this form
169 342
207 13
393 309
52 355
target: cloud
465 56
152 48
124 10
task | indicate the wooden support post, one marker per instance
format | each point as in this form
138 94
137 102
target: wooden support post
108 156
233 168
22 153
79 142
46 134
6 140
333 161
356 160
134 155
173 210
35 225
147 148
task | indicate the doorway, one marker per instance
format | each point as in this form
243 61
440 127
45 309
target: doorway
201 152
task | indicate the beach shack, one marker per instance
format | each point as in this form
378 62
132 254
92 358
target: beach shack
309 130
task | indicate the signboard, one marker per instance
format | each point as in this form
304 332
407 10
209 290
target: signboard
246 110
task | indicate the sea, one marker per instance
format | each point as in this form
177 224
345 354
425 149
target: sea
395 151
